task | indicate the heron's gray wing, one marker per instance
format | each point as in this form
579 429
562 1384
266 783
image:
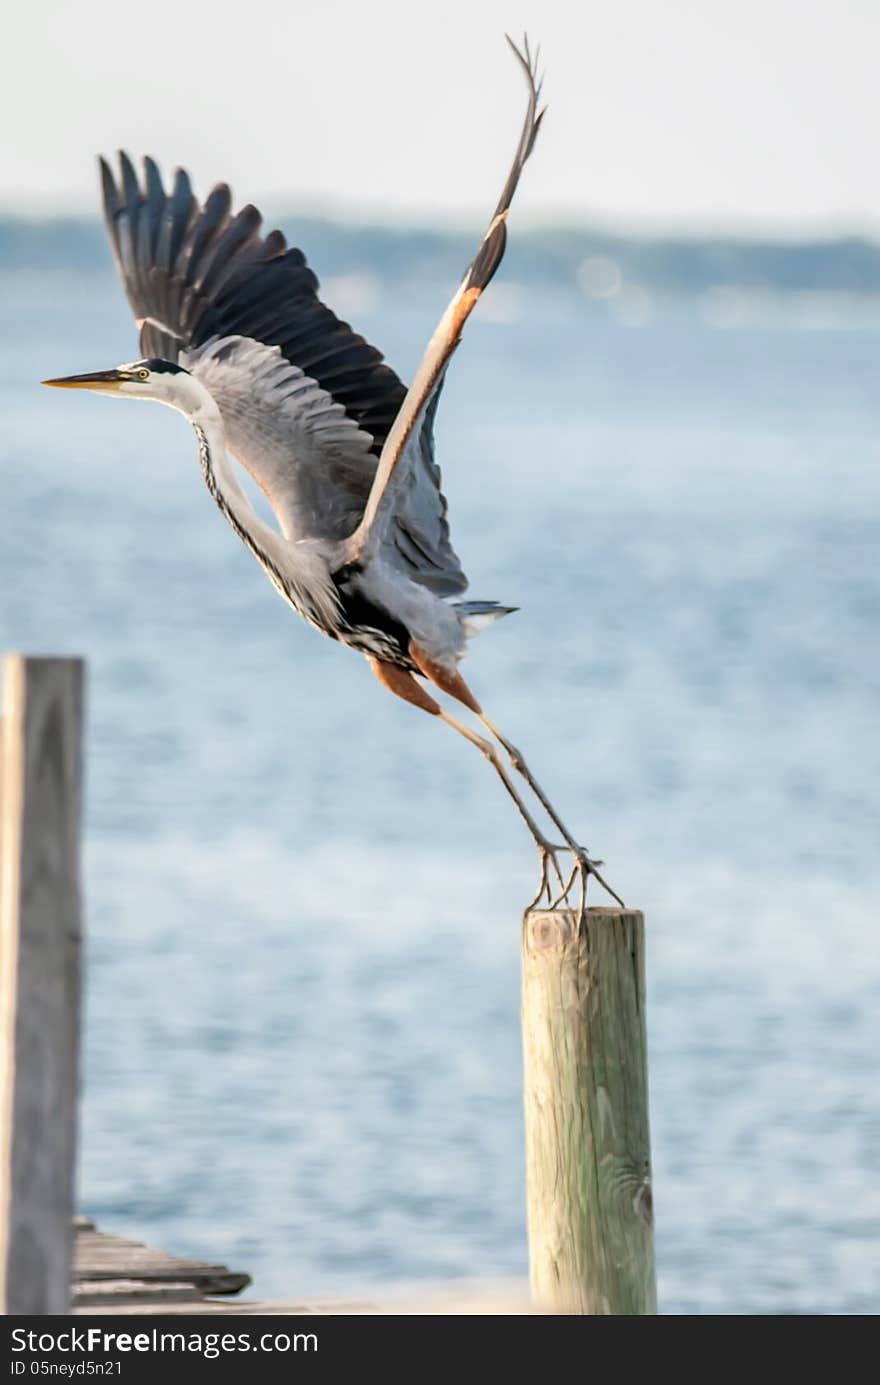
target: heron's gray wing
312 462
407 451
197 273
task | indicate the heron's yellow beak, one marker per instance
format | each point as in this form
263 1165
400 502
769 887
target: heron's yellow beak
99 380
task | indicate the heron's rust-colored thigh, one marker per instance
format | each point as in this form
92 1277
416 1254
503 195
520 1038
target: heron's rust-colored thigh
447 680
399 681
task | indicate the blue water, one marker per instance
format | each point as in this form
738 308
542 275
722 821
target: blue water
302 1049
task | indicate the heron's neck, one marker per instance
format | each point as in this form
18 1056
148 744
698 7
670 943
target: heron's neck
223 484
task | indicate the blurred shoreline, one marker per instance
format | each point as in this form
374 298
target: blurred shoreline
726 282
600 262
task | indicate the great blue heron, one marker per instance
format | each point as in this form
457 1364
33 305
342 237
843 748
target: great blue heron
235 338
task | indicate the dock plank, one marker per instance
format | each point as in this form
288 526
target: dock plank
94 1293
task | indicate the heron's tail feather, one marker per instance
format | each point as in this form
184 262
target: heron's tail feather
477 616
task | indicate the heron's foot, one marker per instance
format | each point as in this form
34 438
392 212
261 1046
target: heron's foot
582 868
548 856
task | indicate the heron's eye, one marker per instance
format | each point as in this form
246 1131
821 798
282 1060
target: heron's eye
143 375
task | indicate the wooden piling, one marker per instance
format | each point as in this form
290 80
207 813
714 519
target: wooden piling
588 1162
39 978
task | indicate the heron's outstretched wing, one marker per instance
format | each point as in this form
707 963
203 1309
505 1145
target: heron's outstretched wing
312 461
408 447
198 274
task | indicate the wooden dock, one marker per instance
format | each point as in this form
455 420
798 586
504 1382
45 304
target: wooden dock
112 1274
109 1271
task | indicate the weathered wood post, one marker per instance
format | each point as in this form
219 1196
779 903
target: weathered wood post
39 978
588 1160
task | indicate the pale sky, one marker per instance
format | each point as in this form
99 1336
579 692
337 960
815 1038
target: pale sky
664 114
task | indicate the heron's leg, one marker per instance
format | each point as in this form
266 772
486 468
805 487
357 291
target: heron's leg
584 865
399 681
450 681
546 852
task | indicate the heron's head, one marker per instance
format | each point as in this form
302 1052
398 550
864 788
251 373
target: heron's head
153 379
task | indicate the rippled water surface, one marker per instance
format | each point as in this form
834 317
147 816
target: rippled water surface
302 1047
